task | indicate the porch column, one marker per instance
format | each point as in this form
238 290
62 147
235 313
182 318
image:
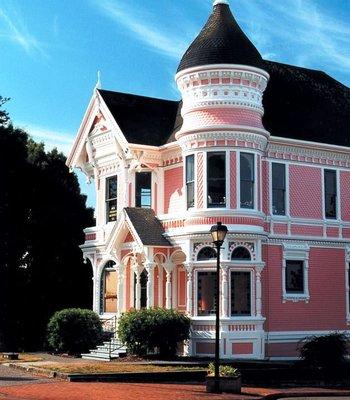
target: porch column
189 285
258 271
168 269
149 266
224 292
120 289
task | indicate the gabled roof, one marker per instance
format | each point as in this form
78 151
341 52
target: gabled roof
143 120
147 226
221 41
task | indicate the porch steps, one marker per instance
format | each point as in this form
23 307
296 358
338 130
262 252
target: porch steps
106 352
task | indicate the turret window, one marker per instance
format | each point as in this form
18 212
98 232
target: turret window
216 179
278 189
111 198
330 194
190 181
247 180
143 189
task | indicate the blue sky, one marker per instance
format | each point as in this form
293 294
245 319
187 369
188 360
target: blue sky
50 50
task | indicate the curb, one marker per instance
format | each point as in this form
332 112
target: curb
39 371
275 396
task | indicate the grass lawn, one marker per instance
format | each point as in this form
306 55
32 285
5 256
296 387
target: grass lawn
22 357
112 367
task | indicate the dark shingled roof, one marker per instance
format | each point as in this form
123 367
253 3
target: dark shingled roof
221 41
143 120
147 226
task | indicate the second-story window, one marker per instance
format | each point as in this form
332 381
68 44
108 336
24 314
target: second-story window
216 179
330 194
247 180
278 189
111 198
143 189
190 180
294 277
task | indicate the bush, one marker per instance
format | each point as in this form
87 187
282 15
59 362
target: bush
74 331
224 371
326 353
154 329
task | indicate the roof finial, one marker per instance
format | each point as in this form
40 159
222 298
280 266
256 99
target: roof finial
98 83
216 2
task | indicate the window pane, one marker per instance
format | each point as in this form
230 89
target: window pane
111 198
240 293
240 253
294 276
278 176
190 194
330 189
190 168
247 180
206 298
278 202
143 189
111 210
207 253
216 179
112 188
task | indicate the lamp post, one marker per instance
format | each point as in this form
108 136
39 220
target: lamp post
218 233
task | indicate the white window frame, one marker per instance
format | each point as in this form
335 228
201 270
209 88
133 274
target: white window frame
296 252
105 195
194 180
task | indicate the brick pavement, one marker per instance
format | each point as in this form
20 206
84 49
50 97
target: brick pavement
112 391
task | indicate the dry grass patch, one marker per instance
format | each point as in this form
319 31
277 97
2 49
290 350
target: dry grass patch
113 367
22 357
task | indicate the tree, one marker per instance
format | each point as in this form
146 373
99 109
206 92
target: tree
42 217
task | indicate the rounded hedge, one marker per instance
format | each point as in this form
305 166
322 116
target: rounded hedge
74 331
153 330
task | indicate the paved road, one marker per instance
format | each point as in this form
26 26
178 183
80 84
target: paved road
11 377
317 398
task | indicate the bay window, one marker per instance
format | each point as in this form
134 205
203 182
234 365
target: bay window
240 293
216 179
206 294
247 177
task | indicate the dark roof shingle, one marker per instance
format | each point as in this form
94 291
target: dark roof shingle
147 226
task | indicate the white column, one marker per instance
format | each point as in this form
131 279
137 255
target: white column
150 281
258 271
120 289
189 285
224 292
168 290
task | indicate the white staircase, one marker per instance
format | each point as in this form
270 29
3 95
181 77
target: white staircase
107 351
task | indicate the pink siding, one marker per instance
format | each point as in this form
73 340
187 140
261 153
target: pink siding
242 348
345 195
200 180
326 309
282 350
233 179
307 230
173 190
265 183
281 229
205 348
305 192
332 232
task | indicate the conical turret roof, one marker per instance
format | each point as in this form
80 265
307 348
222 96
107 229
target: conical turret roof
221 41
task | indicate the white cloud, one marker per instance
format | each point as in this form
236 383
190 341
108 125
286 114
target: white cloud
159 40
14 29
61 140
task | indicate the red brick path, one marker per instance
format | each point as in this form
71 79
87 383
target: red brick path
111 391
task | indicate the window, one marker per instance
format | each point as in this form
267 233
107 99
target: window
294 277
111 198
190 181
108 289
207 253
216 179
240 253
247 180
278 189
240 293
143 189
330 194
206 293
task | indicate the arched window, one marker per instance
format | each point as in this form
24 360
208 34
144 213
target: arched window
108 291
207 253
240 253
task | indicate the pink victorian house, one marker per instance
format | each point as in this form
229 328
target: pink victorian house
259 145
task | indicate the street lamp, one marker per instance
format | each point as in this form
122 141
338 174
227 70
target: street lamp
218 233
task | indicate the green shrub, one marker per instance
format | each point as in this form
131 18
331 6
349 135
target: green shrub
74 331
155 329
224 371
326 353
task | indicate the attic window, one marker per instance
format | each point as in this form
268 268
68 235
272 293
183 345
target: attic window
111 198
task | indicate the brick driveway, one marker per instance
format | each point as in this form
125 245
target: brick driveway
111 391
